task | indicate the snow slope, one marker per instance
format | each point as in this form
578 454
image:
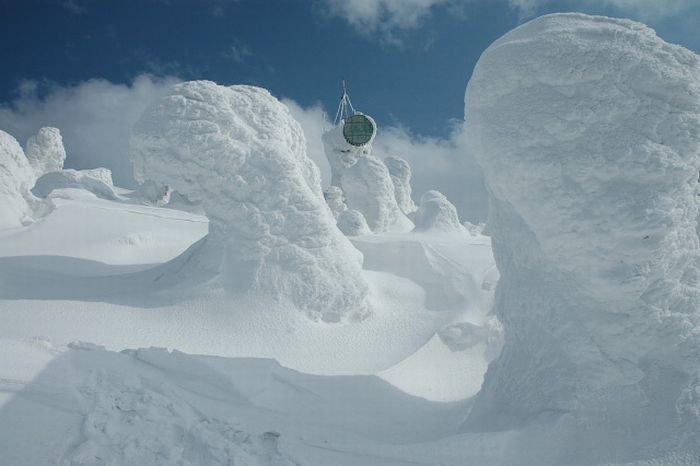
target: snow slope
588 133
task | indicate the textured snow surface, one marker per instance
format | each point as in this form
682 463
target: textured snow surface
238 152
400 172
588 133
365 182
436 213
16 179
45 151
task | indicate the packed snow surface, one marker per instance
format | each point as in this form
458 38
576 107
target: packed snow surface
588 133
238 153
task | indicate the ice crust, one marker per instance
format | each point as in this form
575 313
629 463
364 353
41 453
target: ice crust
16 179
365 182
588 133
238 152
45 151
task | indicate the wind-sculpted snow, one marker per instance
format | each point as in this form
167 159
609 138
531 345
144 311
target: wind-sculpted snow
97 181
436 213
366 183
400 172
238 152
45 151
588 132
16 179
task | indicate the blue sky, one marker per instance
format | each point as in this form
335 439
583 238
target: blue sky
407 62
410 74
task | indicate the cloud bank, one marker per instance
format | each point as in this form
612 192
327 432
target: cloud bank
389 16
95 118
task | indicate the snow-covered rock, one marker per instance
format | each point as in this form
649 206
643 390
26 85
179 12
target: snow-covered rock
97 181
45 151
588 133
436 213
352 223
365 181
16 179
400 172
238 152
335 200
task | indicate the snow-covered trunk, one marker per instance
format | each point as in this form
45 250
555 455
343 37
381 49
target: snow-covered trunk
588 132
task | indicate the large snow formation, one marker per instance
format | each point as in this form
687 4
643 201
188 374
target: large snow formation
16 179
45 151
238 152
400 172
365 182
588 132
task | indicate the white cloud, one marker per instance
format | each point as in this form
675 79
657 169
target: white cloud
443 164
95 118
383 15
388 16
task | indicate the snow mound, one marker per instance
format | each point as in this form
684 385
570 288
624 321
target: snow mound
588 133
238 152
365 182
45 151
16 179
400 172
436 213
352 223
97 181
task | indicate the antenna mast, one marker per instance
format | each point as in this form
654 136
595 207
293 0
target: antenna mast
344 107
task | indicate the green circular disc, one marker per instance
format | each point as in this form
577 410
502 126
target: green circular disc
358 130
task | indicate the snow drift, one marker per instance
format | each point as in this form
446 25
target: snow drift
238 152
588 132
16 179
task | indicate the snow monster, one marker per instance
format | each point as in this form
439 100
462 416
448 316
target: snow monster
238 152
588 133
